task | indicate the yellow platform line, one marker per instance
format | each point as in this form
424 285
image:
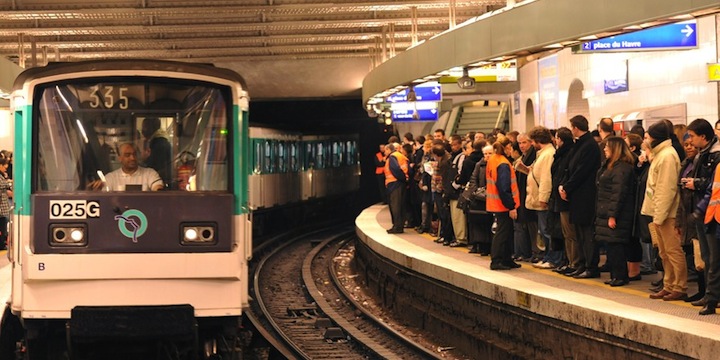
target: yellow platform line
592 282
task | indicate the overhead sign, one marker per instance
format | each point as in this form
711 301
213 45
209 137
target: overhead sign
682 35
429 91
415 115
495 72
415 111
713 72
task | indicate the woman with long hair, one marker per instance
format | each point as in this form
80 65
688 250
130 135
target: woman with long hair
615 206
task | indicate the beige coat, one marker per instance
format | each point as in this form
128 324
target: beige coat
539 180
661 194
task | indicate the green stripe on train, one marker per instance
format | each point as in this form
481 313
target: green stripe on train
241 151
22 162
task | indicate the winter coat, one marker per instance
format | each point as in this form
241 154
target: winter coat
539 183
684 219
559 171
641 221
468 166
579 184
661 194
451 190
703 166
615 198
523 215
477 178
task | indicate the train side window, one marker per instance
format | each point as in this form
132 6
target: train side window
336 153
258 158
320 155
267 161
309 156
349 152
282 159
294 156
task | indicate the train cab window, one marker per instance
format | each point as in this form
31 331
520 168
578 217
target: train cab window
178 131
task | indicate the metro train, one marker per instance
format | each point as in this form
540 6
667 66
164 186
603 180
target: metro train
289 167
97 261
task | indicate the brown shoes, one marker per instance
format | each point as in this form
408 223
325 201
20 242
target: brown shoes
675 295
660 294
669 295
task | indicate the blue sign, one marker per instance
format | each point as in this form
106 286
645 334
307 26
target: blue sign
431 91
682 35
415 115
615 86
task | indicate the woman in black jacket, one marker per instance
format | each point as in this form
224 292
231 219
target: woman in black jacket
564 143
615 206
479 221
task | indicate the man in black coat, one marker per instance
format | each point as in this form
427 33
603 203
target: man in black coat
525 226
579 189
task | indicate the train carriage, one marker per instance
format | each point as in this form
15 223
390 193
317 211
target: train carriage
274 178
92 257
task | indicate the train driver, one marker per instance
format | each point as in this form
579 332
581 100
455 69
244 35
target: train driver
130 175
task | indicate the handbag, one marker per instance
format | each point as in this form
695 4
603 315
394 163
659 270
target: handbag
466 200
480 194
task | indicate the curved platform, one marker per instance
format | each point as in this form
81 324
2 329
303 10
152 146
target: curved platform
626 312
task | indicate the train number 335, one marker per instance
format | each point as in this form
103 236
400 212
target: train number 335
74 209
108 95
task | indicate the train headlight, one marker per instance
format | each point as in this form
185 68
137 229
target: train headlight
191 234
68 235
198 234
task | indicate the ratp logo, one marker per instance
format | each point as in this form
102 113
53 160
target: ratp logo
137 224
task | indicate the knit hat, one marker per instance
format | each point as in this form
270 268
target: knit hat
659 131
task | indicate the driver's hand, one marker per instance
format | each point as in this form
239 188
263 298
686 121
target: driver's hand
95 185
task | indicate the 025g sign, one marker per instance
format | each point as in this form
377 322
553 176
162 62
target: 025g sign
74 209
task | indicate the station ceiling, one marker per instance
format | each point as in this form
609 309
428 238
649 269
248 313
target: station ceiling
285 49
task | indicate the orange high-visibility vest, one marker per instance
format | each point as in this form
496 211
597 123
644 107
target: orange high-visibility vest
403 161
713 209
380 169
493 202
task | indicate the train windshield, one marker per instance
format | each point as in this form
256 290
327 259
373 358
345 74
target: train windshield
132 135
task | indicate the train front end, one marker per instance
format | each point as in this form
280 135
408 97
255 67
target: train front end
130 220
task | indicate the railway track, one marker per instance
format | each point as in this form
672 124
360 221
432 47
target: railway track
305 313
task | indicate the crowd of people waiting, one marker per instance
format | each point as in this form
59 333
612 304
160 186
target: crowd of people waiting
650 200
